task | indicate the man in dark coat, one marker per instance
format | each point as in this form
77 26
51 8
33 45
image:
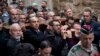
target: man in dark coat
33 35
14 39
59 44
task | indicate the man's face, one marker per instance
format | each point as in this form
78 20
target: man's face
64 28
44 4
87 16
87 40
77 28
56 26
21 5
57 18
69 12
14 14
46 51
35 23
16 33
22 18
40 14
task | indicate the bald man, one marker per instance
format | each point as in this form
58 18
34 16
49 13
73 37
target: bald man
14 38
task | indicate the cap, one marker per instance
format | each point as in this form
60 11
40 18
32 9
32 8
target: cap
86 31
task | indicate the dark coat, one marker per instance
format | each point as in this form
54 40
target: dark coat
33 37
24 49
10 46
3 37
3 40
59 45
72 41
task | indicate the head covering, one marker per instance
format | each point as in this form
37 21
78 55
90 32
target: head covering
86 31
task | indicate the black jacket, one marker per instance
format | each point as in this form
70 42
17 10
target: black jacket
59 45
10 46
33 37
3 40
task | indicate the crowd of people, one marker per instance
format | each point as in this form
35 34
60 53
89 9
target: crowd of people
29 31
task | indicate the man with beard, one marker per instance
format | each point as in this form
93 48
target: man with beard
14 38
44 6
13 16
57 39
21 6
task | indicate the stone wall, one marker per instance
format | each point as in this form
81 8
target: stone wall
78 5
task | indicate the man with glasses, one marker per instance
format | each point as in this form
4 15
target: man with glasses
57 40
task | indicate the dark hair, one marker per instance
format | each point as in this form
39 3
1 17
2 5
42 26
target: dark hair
75 23
88 10
29 7
45 44
51 23
24 49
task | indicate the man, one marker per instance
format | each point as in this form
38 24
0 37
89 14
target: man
23 21
14 16
57 41
85 46
33 34
21 6
68 12
22 18
75 35
50 16
69 16
40 14
14 38
89 23
14 3
44 6
57 18
44 49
